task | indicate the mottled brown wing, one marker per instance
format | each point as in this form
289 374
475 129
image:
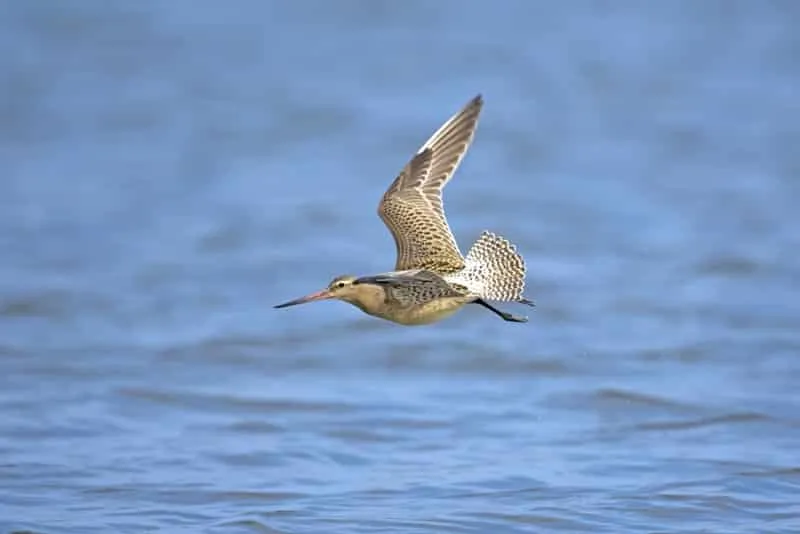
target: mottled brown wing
420 288
412 207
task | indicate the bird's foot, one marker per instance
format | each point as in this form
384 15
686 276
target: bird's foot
510 317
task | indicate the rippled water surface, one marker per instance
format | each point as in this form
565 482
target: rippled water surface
170 170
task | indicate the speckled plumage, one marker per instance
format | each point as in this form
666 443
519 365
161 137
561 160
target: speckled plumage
413 210
493 269
412 207
416 296
432 279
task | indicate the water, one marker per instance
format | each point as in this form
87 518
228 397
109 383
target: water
173 169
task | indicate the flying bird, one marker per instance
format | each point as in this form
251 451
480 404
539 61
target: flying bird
431 278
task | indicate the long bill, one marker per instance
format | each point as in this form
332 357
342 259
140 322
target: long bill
319 295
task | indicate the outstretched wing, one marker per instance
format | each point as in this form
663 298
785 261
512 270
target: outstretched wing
412 207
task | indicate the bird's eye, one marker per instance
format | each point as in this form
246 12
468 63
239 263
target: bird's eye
339 285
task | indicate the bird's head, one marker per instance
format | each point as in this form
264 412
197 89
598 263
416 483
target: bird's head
344 287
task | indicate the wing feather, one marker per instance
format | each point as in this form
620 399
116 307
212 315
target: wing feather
412 207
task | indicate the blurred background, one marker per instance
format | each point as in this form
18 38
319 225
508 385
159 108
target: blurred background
170 170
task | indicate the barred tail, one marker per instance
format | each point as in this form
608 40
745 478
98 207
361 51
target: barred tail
495 270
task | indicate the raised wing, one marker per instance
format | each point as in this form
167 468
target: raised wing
412 207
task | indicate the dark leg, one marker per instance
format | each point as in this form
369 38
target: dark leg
505 315
527 302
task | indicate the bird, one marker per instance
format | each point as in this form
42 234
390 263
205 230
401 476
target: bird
431 279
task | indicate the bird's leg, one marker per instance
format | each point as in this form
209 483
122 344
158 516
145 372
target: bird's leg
505 315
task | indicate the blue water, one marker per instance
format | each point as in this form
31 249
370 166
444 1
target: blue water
170 170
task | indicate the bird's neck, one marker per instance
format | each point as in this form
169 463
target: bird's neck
370 298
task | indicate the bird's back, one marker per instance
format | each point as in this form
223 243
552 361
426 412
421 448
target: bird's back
418 297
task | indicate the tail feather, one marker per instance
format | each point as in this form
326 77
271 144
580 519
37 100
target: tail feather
494 270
